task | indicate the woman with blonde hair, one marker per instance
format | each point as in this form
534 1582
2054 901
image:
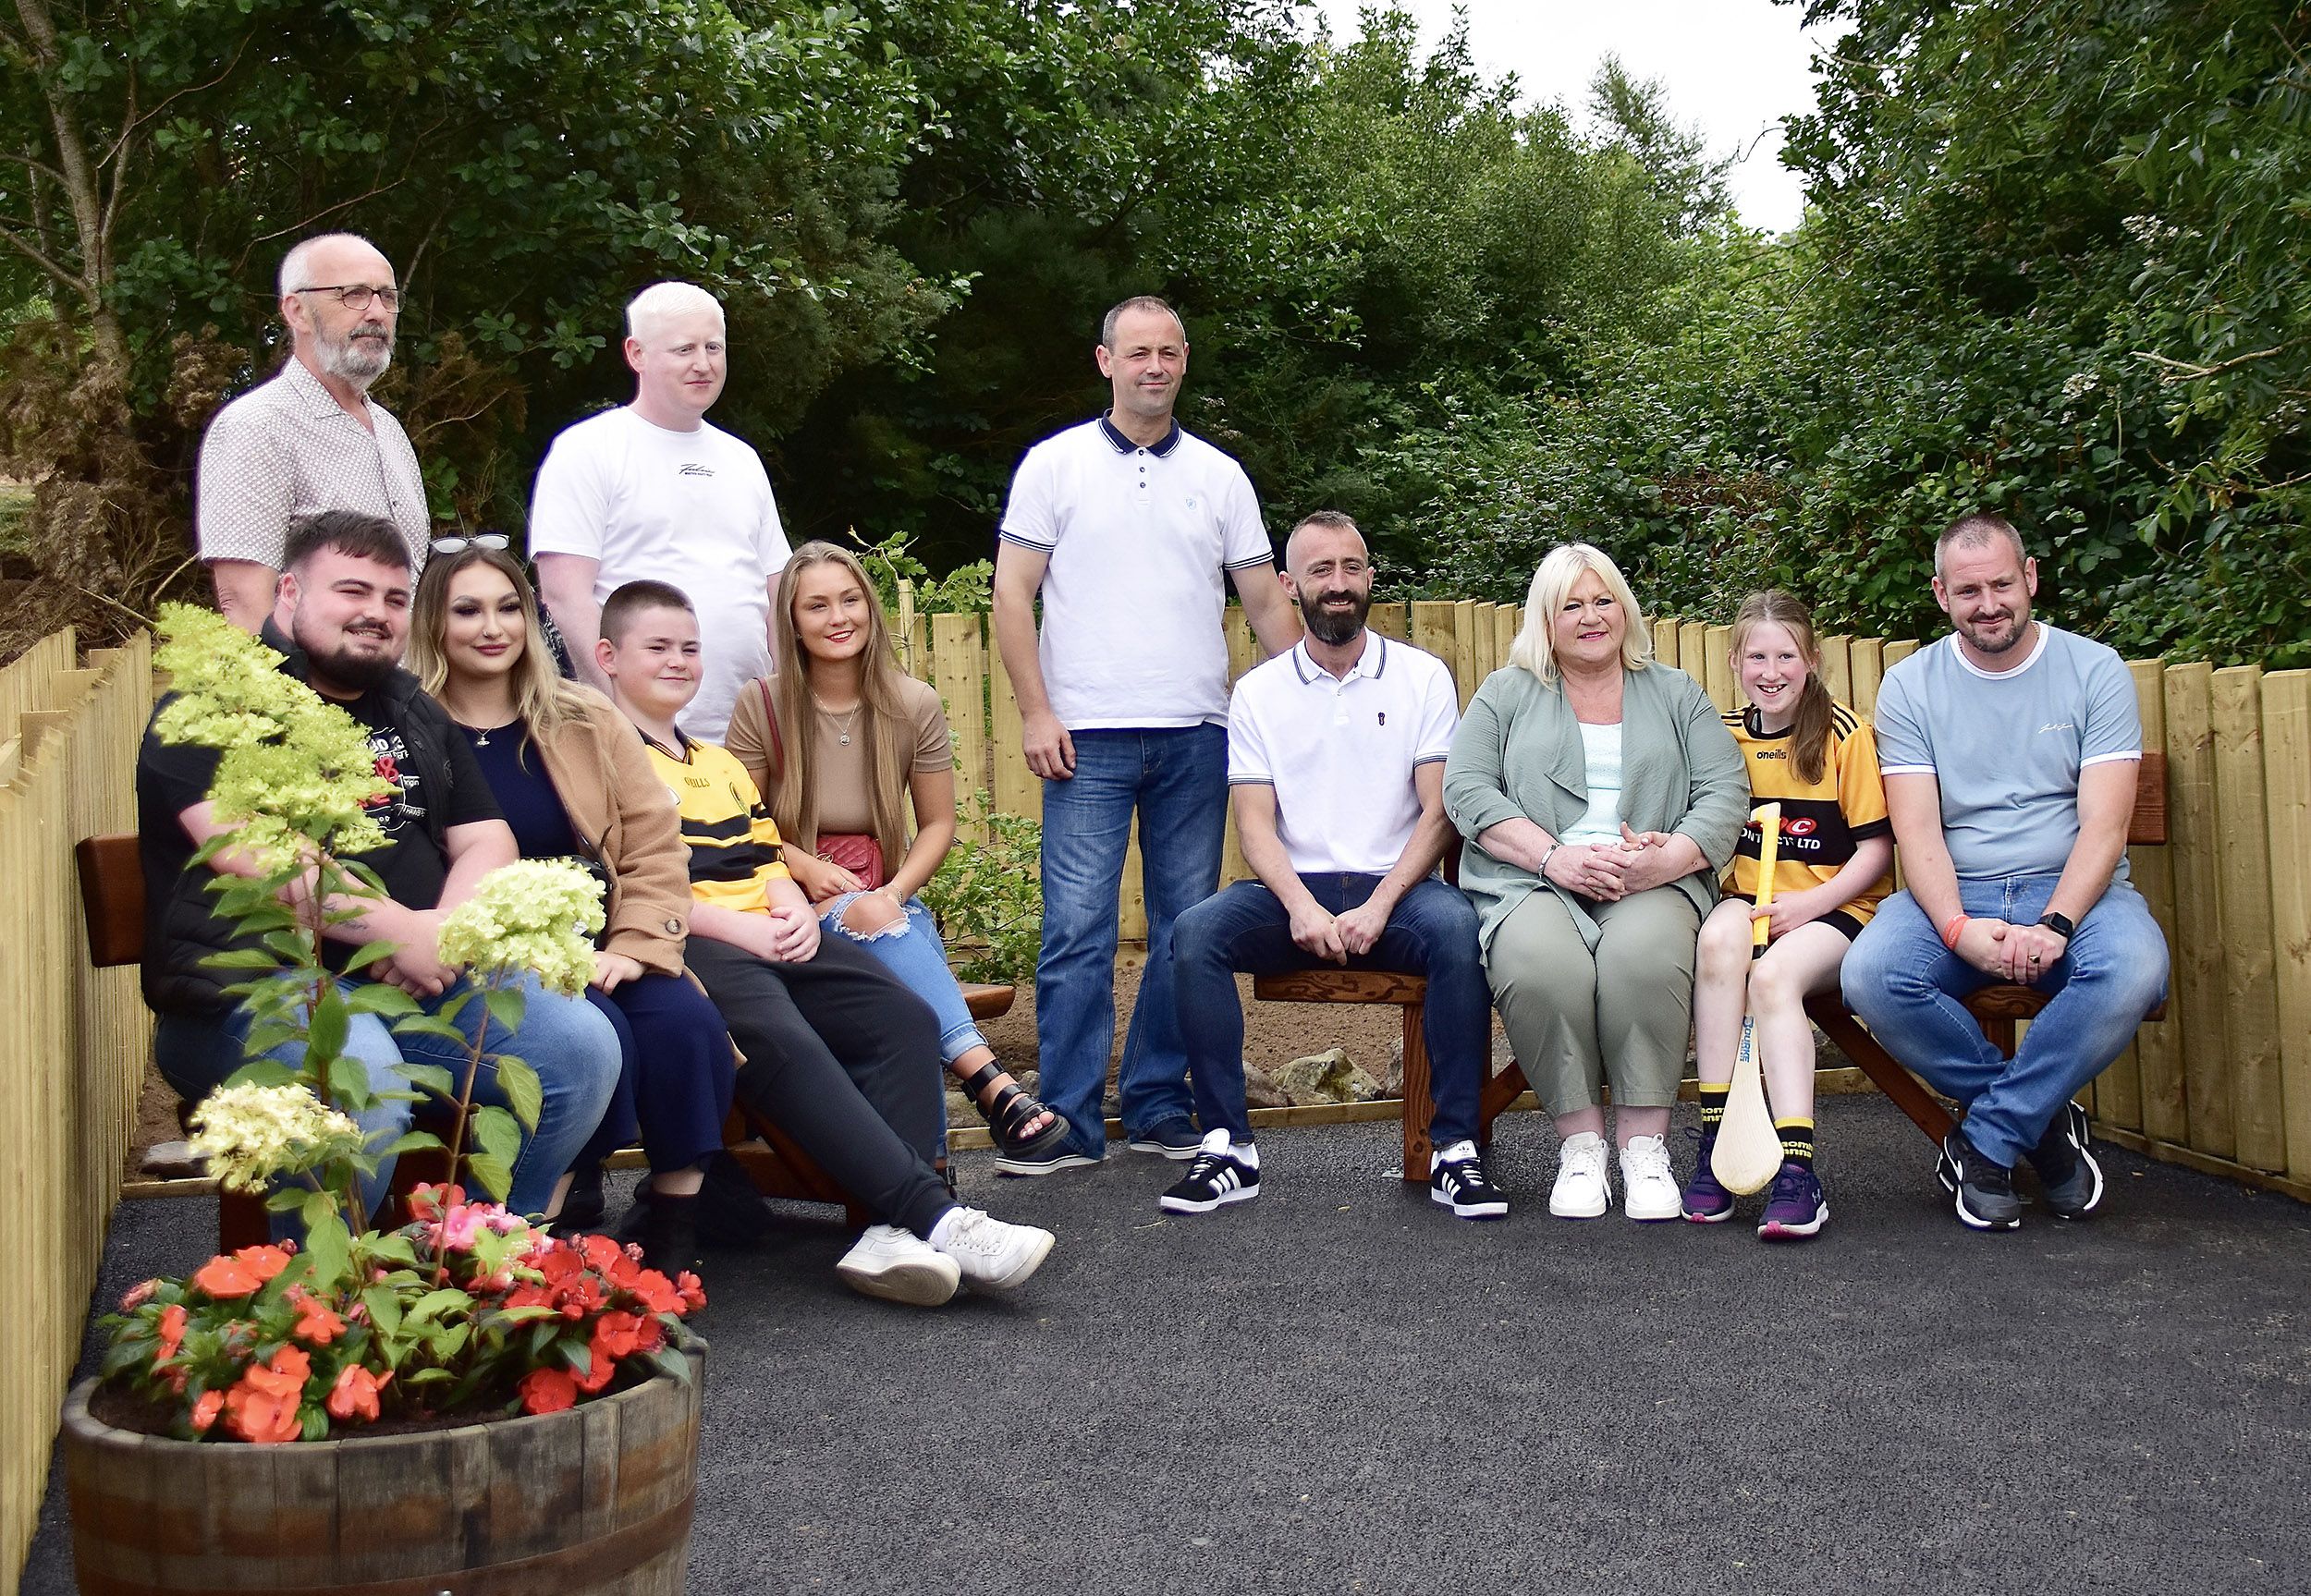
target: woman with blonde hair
844 746
1600 795
574 781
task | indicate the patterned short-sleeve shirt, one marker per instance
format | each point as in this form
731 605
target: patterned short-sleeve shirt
285 448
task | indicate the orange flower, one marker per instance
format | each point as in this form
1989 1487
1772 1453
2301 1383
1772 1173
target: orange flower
355 1394
547 1391
172 1332
242 1272
284 1375
317 1323
205 1410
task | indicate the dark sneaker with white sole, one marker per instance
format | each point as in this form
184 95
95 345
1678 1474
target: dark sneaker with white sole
1705 1200
1460 1183
2070 1181
1176 1138
1795 1208
1216 1178
1984 1190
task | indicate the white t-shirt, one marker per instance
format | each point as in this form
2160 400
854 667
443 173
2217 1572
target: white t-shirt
1341 751
1132 599
693 509
1600 753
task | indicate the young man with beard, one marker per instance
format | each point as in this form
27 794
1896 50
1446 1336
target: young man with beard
1336 753
1127 528
345 603
2010 752
308 439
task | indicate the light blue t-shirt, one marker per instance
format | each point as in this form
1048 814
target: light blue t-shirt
2007 747
1600 751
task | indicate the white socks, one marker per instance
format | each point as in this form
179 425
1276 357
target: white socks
1244 1152
1440 1156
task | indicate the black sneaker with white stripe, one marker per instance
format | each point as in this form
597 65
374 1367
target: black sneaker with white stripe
2070 1181
1216 1177
1460 1183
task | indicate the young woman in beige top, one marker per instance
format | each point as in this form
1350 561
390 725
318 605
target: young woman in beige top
841 743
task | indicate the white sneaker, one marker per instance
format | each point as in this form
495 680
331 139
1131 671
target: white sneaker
994 1256
1582 1190
1648 1185
899 1267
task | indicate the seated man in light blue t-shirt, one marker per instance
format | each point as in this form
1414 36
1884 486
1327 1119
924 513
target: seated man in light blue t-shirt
2009 751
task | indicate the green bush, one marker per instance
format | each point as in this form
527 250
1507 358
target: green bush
988 897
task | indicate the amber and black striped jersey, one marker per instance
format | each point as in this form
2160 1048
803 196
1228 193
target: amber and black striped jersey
1820 821
735 851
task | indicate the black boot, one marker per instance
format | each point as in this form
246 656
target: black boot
583 1205
669 1233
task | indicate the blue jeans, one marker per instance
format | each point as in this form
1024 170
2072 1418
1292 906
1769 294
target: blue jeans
1906 987
1177 778
571 1045
910 950
1431 932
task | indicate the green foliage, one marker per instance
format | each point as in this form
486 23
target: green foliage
988 897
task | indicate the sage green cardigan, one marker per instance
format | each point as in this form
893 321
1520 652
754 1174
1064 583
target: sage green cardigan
1518 752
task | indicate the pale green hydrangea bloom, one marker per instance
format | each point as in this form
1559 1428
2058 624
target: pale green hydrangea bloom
250 1134
295 771
537 914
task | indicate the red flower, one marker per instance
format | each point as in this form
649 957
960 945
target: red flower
263 1406
428 1202
601 1369
617 1335
242 1272
172 1332
692 1290
657 1293
317 1323
205 1410
355 1394
137 1296
547 1391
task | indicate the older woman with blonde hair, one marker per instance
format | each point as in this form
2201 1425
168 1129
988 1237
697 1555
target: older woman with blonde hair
1601 795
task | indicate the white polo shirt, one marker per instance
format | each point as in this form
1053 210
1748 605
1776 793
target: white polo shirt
1138 539
1341 751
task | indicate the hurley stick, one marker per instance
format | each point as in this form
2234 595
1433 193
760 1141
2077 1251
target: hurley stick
1748 1152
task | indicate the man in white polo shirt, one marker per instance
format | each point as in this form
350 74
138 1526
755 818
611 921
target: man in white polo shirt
654 492
1335 754
1126 525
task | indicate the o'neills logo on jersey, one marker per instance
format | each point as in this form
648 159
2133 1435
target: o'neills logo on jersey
1770 754
695 469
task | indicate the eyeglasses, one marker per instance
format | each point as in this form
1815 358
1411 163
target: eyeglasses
478 541
356 296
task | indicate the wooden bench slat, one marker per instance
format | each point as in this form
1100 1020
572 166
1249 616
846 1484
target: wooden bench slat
1341 986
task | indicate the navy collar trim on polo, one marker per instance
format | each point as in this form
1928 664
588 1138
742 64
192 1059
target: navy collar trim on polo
1161 448
1309 671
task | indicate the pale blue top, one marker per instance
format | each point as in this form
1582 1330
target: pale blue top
1600 756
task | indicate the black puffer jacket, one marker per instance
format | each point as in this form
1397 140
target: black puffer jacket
180 928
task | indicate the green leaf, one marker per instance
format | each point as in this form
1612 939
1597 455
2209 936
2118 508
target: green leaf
496 1133
424 1309
241 958
494 1176
429 1025
385 1308
329 1024
412 1142
506 1006
523 1094
432 1078
376 998
329 1246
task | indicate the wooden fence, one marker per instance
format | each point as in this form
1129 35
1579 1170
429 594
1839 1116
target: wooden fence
2222 1084
73 1040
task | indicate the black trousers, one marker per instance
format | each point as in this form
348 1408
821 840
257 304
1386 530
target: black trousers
845 1060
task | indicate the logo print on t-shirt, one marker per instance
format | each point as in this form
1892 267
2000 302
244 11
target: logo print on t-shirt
695 469
393 811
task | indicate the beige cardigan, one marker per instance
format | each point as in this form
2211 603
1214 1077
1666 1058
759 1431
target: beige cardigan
624 816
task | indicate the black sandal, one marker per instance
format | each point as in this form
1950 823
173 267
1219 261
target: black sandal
1010 1113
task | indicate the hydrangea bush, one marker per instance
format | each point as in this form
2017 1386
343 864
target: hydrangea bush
467 1305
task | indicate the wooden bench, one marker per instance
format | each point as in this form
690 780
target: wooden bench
2001 1007
111 896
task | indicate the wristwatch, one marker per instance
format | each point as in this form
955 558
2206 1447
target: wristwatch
2061 925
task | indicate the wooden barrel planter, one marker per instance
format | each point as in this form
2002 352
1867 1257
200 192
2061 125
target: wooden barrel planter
594 1499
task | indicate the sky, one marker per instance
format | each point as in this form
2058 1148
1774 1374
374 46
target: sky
1733 66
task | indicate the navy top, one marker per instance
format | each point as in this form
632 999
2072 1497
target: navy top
518 780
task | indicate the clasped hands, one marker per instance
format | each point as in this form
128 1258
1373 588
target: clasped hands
1336 937
2019 954
1608 871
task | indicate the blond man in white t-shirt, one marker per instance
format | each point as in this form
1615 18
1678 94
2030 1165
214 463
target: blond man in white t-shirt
652 492
1128 527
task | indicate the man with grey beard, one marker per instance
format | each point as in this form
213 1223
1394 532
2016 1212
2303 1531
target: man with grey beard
308 439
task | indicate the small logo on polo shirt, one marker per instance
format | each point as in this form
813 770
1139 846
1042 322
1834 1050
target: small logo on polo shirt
1383 717
695 469
1189 501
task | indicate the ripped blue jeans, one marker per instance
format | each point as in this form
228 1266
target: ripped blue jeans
912 951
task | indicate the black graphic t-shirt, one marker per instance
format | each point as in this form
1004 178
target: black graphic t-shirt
172 777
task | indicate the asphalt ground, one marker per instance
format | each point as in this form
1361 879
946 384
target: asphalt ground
1339 1387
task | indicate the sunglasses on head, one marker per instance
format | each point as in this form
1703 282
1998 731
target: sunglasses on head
478 541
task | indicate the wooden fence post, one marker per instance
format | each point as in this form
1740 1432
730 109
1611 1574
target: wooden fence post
2250 988
2159 1044
2287 780
2198 952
